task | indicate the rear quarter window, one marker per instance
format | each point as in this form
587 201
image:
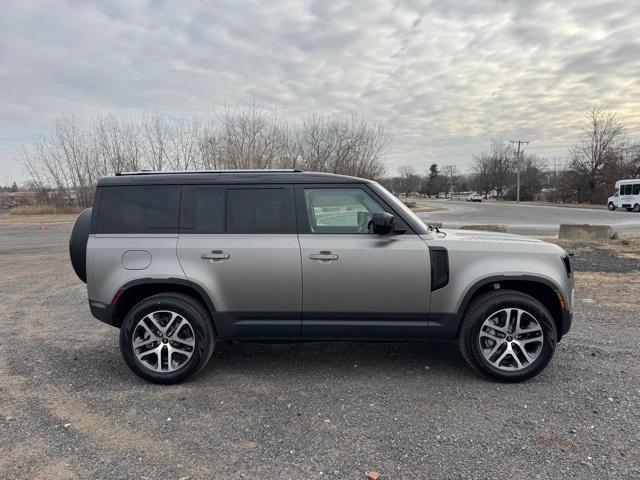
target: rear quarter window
139 209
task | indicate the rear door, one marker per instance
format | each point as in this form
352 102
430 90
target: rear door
357 284
239 243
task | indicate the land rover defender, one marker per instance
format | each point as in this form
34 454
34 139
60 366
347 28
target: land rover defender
181 260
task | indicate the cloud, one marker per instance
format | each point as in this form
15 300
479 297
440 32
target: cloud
446 77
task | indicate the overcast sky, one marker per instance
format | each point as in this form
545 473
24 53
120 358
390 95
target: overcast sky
445 76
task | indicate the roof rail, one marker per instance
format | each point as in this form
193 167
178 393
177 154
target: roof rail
171 172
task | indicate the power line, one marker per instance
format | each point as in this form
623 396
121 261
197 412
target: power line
519 142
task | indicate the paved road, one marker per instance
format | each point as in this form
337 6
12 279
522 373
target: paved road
527 219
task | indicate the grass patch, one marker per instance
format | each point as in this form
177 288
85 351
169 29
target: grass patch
614 290
44 210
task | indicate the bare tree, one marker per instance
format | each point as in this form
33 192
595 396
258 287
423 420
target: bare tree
602 134
493 170
501 158
481 176
119 143
157 136
71 159
450 173
346 146
409 180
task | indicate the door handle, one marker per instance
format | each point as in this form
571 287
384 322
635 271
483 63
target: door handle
323 255
215 255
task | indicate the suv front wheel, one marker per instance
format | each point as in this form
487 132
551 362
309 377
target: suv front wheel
507 335
166 338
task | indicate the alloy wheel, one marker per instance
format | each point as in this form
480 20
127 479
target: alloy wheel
163 341
511 339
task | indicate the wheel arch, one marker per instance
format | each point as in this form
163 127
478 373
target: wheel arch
540 288
136 290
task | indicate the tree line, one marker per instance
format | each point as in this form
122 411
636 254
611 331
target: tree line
71 158
603 154
67 162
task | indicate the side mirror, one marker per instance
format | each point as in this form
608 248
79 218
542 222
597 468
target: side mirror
383 223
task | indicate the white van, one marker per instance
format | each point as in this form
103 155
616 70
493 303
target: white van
627 195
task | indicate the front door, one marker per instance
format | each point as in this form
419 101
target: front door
357 284
240 245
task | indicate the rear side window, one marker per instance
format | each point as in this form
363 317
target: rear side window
260 210
202 209
636 188
139 209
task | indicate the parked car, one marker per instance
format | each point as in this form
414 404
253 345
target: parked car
474 197
181 261
627 195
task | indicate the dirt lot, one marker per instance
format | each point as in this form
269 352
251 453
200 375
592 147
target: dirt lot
70 408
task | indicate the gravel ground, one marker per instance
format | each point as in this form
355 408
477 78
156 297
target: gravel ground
620 256
70 408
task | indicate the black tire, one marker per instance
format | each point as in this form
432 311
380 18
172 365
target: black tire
481 309
611 207
78 243
636 208
188 308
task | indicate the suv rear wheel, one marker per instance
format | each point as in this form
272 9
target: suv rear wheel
507 335
166 338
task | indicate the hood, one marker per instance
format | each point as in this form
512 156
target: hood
475 240
484 236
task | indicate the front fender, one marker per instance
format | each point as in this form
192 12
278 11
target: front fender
470 271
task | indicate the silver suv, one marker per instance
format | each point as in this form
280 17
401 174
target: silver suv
181 260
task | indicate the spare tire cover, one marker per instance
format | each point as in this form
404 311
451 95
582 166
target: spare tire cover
78 243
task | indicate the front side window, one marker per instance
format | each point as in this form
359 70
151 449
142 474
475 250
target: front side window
139 209
340 210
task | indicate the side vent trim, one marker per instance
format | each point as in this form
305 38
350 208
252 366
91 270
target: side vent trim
567 265
439 267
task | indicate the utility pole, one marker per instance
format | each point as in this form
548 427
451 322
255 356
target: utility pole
451 169
518 167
